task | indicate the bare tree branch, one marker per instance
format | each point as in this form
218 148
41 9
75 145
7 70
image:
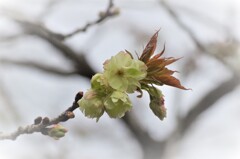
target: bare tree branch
11 38
40 125
191 34
151 148
141 135
182 25
55 39
39 66
201 17
207 101
78 60
108 13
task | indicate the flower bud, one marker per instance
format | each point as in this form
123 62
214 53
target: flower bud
38 120
45 121
157 102
57 131
158 108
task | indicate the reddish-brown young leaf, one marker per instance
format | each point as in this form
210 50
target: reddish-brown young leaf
149 49
159 54
170 60
165 71
157 73
153 61
171 81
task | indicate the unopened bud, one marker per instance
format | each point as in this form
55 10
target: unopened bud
115 11
38 120
45 121
57 131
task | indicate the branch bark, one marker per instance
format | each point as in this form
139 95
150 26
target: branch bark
79 61
40 125
182 25
151 148
105 15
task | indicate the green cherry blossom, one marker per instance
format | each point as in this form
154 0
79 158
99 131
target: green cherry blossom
117 104
100 84
124 73
92 104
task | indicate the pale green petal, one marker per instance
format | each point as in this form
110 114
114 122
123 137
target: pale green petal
91 105
133 85
100 84
117 83
123 59
117 104
124 73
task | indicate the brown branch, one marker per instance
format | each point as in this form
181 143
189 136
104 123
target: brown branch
110 11
79 61
135 128
150 147
55 39
10 38
191 34
102 17
182 25
207 101
40 125
199 16
38 66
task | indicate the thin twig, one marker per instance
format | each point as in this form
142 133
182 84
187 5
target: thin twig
108 13
46 122
185 28
202 17
182 25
